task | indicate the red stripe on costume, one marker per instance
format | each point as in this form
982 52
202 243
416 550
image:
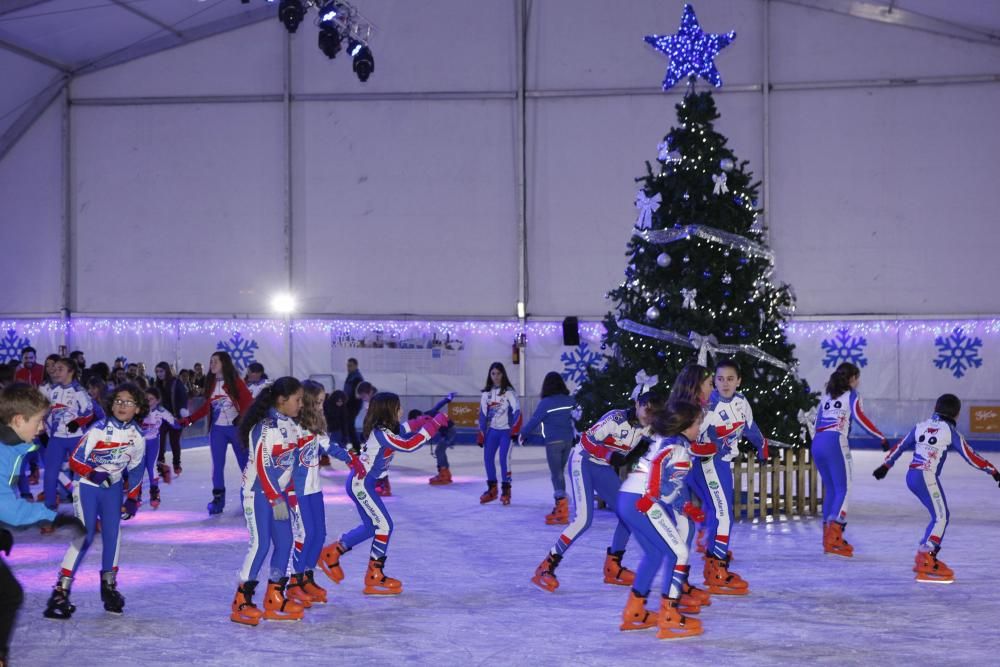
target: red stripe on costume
723 432
384 539
411 442
864 420
722 538
656 473
265 483
565 540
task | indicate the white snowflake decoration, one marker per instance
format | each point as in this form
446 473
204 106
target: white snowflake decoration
240 349
958 352
11 346
578 361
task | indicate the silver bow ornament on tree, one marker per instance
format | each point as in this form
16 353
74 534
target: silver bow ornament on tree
644 382
720 184
808 421
689 298
646 206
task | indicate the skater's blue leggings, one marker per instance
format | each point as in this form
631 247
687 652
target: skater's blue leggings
90 504
441 454
926 486
662 534
833 461
713 483
497 440
218 438
57 452
375 520
310 534
557 455
586 478
152 452
265 530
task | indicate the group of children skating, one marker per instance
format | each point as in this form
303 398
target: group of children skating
676 452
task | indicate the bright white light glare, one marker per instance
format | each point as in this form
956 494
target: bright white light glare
329 16
283 303
520 309
356 49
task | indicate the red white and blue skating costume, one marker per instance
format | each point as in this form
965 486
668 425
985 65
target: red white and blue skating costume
226 405
71 411
499 421
832 453
931 440
108 462
267 479
151 427
726 421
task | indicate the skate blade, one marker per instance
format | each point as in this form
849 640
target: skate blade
283 618
381 592
673 636
252 622
542 587
929 580
840 554
627 627
715 590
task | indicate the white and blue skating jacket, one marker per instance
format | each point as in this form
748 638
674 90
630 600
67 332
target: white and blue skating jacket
114 447
70 403
660 472
382 444
726 420
155 419
305 474
617 431
930 441
274 444
499 410
835 413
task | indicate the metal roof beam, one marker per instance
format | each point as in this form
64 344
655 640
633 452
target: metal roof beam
170 41
891 15
152 19
31 113
37 57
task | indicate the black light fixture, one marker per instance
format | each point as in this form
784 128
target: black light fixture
364 62
329 35
291 13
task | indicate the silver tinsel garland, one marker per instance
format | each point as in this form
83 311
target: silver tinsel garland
665 236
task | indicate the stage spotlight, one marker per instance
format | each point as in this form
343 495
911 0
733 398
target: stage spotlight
329 35
364 62
291 13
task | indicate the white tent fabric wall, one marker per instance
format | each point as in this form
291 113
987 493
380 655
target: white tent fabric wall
410 205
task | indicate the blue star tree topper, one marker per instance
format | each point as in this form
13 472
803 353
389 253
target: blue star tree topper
691 51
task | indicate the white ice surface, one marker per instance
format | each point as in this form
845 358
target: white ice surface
468 599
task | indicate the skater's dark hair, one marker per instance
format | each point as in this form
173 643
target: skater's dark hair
729 363
70 366
840 379
413 414
136 393
28 348
22 399
365 387
256 367
101 370
948 407
383 412
653 400
283 387
504 381
154 392
229 377
96 382
687 386
311 418
676 418
46 378
553 385
168 373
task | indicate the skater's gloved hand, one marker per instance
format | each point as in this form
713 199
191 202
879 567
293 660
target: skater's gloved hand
480 438
885 445
520 440
280 510
765 452
129 508
73 426
100 478
70 521
880 472
645 503
693 512
617 459
358 467
184 422
450 397
6 540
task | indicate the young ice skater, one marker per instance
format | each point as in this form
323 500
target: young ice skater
499 424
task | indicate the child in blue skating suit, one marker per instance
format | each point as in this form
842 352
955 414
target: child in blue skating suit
591 469
22 416
108 463
308 512
151 428
499 423
381 442
554 417
71 411
270 430
930 441
655 503
728 418
832 454
445 438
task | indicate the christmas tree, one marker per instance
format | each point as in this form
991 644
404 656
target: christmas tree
698 281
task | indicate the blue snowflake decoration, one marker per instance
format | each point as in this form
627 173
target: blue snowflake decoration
958 352
843 347
577 362
11 346
691 51
240 349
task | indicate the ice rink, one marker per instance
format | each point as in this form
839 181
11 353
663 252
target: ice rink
467 596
